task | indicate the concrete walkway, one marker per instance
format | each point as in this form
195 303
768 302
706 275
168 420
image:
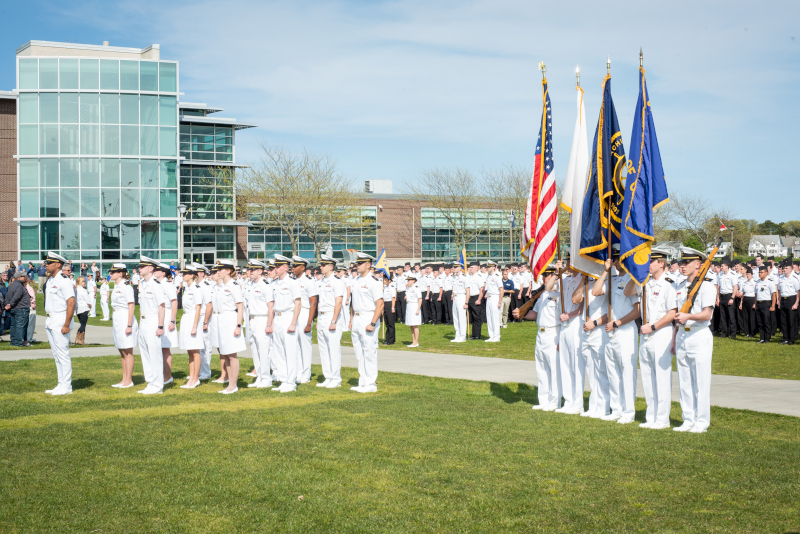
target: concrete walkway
757 394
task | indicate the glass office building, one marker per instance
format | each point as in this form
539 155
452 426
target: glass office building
489 228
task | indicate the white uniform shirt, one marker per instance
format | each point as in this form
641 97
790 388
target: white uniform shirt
765 289
494 284
447 282
435 285
548 308
192 296
135 279
207 289
413 294
285 292
330 288
661 297
366 290
571 283
389 292
748 288
170 293
308 289
788 286
620 304
726 282
706 297
104 291
227 297
400 282
459 284
121 296
526 279
91 287
259 296
598 306
474 283
151 296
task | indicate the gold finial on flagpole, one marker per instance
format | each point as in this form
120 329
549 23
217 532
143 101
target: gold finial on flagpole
578 75
542 68
641 58
608 66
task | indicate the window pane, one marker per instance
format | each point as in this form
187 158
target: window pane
169 141
149 235
149 109
49 235
29 173
202 134
28 139
129 109
110 135
168 174
129 173
149 76
168 77
48 139
90 202
48 73
28 108
149 138
110 235
169 235
129 140
29 203
130 235
29 236
90 172
109 108
110 202
48 107
150 202
69 107
110 173
109 74
90 235
68 69
168 110
130 203
129 75
90 74
70 235
169 203
69 202
48 172
28 73
90 107
90 139
69 173
149 173
70 138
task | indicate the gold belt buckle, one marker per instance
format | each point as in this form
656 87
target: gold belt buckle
687 328
322 313
541 329
358 314
252 317
278 313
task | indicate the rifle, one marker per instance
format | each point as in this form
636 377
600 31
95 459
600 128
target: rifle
525 308
701 275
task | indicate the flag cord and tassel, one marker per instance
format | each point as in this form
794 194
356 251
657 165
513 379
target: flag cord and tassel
610 257
560 273
586 294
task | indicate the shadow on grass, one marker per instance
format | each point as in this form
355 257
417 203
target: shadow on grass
523 393
82 383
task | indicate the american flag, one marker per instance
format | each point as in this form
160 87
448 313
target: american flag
540 232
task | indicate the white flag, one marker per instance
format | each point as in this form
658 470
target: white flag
575 189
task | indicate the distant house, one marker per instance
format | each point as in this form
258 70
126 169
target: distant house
768 245
673 247
724 249
792 244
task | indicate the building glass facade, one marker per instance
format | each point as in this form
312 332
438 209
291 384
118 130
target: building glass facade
491 237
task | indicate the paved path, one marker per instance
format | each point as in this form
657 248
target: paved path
758 394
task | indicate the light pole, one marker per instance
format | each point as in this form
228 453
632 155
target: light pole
732 227
510 218
182 212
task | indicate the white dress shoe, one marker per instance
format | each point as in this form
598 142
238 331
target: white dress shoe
597 415
263 383
124 387
116 385
549 409
303 381
254 384
415 345
151 391
170 381
355 388
253 374
685 427
226 392
368 389
587 414
537 407
656 426
625 420
50 391
323 384
333 385
219 381
287 388
68 391
694 430
563 409
646 425
611 417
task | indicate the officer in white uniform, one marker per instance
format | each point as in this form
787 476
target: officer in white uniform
659 306
152 310
330 323
125 329
459 313
207 291
260 304
365 318
592 345
344 276
494 301
170 338
546 314
60 307
228 311
190 335
572 364
308 308
694 344
105 291
282 325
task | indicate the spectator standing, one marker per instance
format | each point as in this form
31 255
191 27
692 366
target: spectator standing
18 306
84 270
83 305
135 285
32 317
3 293
508 291
95 270
41 272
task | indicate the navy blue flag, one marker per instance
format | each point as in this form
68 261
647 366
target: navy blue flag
602 205
646 190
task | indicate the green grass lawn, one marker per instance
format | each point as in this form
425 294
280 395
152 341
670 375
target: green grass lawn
421 455
37 345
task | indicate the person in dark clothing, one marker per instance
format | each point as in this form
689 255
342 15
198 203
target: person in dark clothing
18 305
4 278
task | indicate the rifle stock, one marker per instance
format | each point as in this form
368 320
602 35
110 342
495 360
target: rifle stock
698 280
525 308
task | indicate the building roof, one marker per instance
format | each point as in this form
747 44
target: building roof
216 121
10 95
45 48
198 106
766 239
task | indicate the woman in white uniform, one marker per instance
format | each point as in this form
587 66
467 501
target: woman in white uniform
124 327
105 291
91 287
191 337
413 308
228 311
211 323
169 340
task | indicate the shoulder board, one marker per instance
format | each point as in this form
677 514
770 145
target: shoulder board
375 278
670 280
62 275
708 279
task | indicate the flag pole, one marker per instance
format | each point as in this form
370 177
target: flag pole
608 221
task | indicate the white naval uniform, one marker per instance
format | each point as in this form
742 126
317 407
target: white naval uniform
655 356
285 346
308 289
226 314
571 363
348 284
330 342
59 291
91 287
621 353
170 338
694 345
192 296
104 293
207 291
459 313
494 292
548 309
258 299
121 297
366 292
151 297
593 345
413 297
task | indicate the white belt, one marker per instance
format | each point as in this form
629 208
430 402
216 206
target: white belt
693 328
543 328
282 313
254 315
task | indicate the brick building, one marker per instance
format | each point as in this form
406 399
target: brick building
8 177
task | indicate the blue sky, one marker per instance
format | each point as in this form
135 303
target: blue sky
392 88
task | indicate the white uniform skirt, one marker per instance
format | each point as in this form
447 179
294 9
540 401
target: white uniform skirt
120 323
186 339
412 318
223 337
170 339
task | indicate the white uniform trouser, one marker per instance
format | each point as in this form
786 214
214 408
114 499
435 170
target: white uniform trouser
285 348
546 367
59 344
693 356
460 317
366 348
493 316
104 307
260 346
330 347
303 347
571 370
593 351
205 352
655 362
93 309
621 368
150 351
